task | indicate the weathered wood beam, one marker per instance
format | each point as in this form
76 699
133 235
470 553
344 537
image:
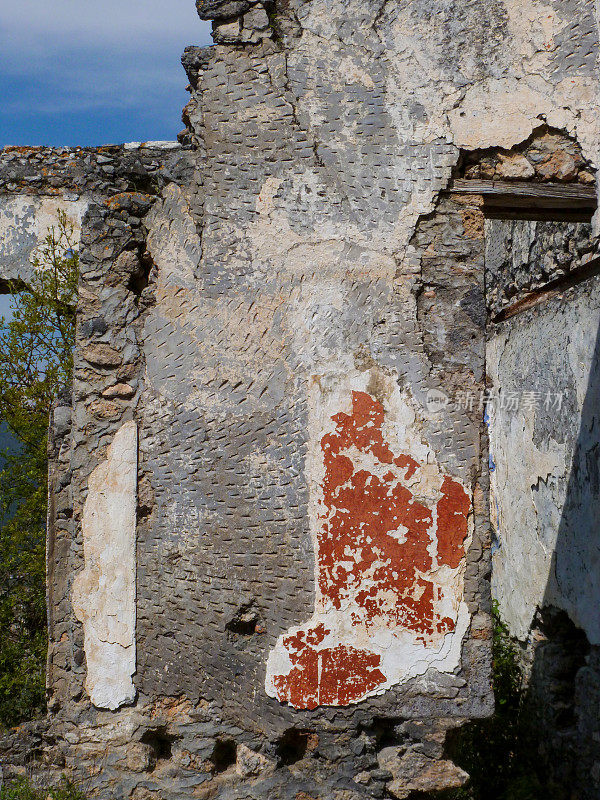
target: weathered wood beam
545 192
514 199
550 290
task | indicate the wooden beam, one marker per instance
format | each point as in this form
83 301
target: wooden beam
514 199
552 289
545 192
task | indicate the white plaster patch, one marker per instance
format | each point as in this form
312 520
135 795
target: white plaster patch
533 27
542 499
521 564
497 113
104 592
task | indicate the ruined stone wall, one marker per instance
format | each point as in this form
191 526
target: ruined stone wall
203 719
270 551
38 182
525 256
543 369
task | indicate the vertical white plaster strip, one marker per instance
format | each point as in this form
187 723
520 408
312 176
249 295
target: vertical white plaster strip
104 591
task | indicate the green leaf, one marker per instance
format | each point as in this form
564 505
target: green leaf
36 364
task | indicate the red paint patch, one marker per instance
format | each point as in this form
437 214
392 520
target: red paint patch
453 513
332 676
374 558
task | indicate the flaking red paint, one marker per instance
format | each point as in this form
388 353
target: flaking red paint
390 536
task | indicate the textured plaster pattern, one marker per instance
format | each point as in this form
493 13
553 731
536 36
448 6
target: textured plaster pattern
316 164
104 592
292 273
482 73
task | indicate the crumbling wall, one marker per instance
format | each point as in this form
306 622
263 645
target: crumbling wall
292 323
38 182
285 391
35 183
220 736
312 300
541 267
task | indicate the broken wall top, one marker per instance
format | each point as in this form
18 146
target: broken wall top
101 171
312 543
36 183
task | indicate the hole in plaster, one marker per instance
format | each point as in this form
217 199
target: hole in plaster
245 620
160 742
140 279
293 746
384 732
224 755
548 155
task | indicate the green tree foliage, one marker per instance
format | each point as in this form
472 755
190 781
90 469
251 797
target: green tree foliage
501 753
24 790
36 363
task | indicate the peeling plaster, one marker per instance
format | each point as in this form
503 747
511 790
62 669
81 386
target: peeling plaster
496 113
473 75
104 592
390 532
542 490
522 561
24 223
314 180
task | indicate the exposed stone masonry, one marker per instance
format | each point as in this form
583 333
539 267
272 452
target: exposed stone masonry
527 254
548 155
524 255
288 308
36 183
90 171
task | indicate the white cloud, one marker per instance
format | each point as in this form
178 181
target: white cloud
135 23
85 54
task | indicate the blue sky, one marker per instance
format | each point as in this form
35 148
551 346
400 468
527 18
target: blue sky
93 72
5 306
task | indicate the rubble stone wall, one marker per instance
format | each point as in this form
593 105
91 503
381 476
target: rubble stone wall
287 311
36 183
203 719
